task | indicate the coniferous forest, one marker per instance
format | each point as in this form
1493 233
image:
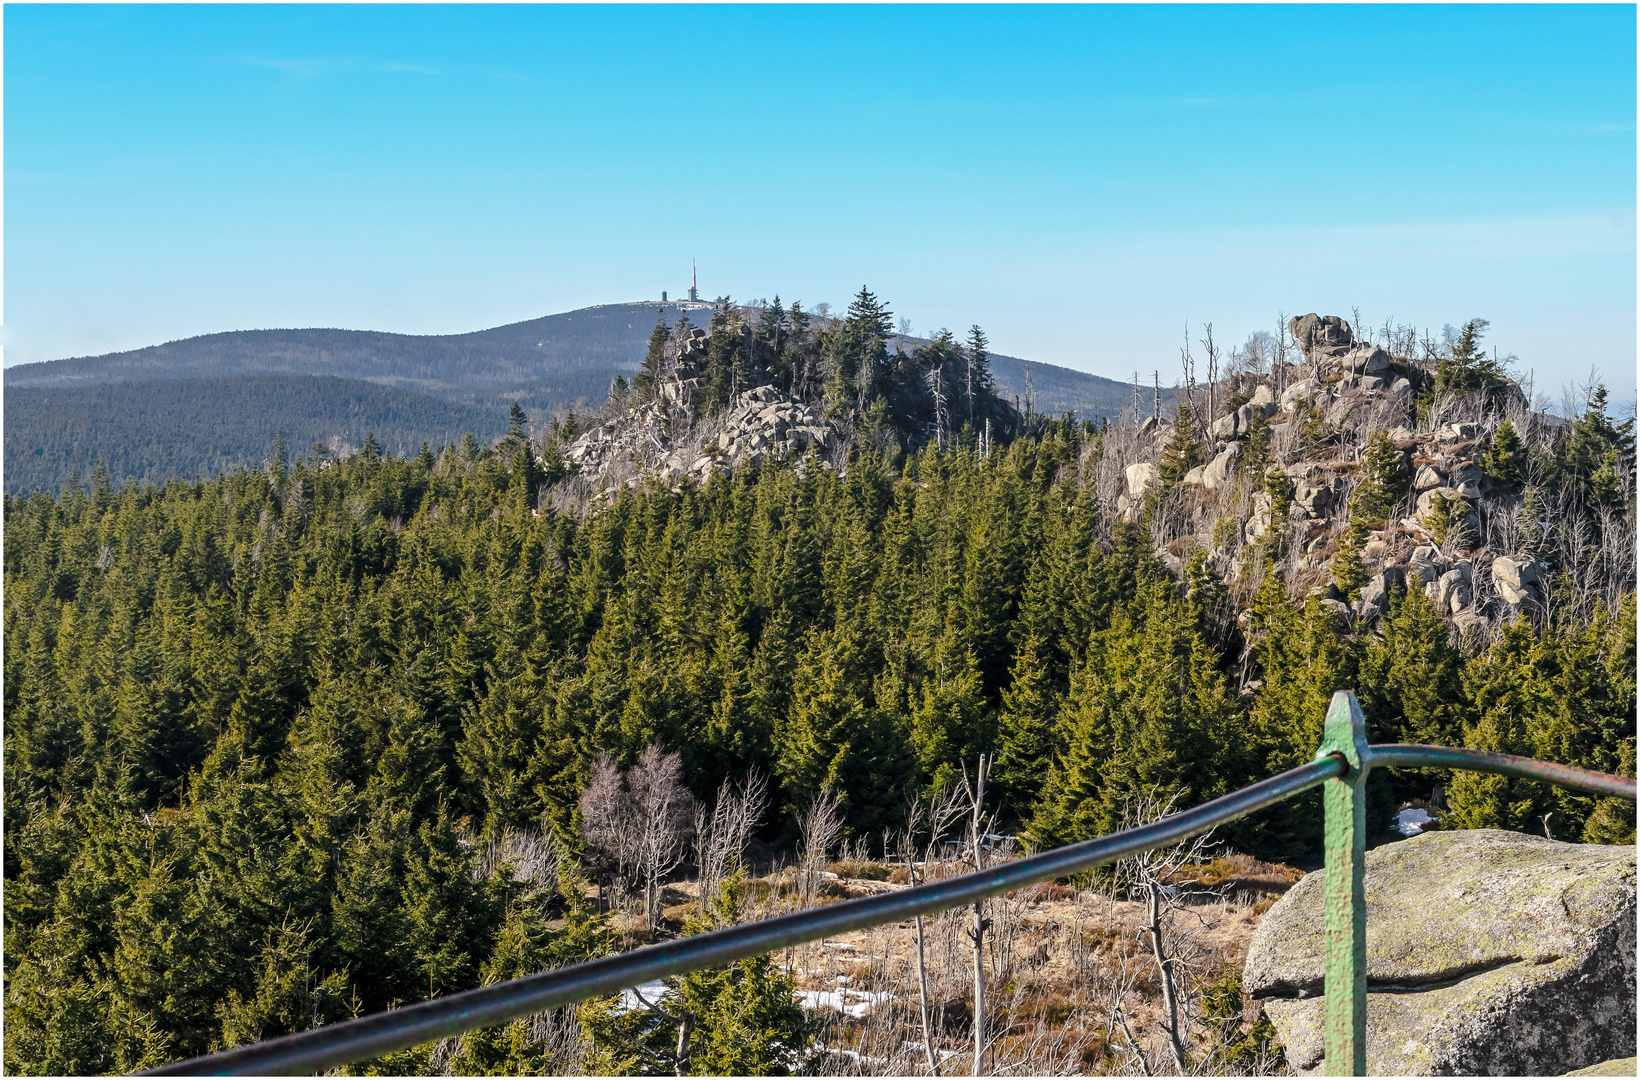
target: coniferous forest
265 734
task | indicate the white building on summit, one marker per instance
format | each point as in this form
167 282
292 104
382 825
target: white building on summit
694 303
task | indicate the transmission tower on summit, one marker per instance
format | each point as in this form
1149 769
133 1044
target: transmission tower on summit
692 292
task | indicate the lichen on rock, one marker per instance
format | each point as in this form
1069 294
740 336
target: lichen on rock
1488 953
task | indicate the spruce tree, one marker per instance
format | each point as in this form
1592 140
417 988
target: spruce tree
647 381
1503 455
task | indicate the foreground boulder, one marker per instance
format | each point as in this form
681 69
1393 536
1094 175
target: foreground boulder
1489 953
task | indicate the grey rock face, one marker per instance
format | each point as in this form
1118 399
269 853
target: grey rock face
1217 472
1235 424
1139 478
1305 390
1312 332
1488 953
1367 360
1516 577
1428 477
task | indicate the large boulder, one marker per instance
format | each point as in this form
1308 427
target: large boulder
1366 360
1515 576
1139 478
1308 391
1312 332
1489 953
1428 477
1451 590
1218 471
1315 498
1236 424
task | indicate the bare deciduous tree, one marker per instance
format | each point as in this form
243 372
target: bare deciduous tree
820 824
641 822
936 817
722 837
1147 877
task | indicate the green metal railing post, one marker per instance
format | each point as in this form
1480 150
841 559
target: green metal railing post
1344 801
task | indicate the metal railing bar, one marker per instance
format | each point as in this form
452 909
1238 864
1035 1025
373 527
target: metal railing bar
372 1036
1414 755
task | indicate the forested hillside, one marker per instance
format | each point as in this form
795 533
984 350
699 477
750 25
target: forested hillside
158 430
546 364
308 739
259 729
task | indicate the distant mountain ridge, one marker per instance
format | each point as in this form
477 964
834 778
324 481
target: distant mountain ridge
543 363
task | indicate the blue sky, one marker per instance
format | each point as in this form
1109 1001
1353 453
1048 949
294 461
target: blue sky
1079 180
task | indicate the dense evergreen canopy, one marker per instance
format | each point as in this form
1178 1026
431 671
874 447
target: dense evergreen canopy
260 729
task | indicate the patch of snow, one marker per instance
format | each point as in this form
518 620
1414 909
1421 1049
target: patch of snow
838 1000
652 991
1412 821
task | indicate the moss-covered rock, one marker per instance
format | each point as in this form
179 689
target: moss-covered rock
1488 953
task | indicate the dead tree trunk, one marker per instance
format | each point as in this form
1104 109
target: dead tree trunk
1164 964
977 833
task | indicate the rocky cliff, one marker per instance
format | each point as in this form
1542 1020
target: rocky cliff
1266 470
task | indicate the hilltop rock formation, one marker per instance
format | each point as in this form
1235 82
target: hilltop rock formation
652 440
1488 953
1277 465
1314 333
